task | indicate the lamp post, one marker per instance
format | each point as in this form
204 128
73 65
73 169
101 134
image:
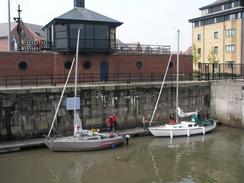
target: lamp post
9 27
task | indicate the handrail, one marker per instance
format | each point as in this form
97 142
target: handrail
204 72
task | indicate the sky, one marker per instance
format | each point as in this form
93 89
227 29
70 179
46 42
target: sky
153 22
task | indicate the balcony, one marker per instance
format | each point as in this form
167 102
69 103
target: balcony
142 49
34 46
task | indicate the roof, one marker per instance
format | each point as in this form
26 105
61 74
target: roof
217 14
33 27
83 14
218 2
27 33
188 51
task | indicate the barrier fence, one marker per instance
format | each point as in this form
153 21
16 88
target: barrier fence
204 72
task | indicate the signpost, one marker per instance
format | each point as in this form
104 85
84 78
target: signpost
70 103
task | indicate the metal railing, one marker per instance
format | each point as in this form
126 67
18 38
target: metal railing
208 71
142 49
120 48
204 72
36 46
92 78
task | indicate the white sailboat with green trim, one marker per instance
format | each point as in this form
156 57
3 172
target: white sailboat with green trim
196 126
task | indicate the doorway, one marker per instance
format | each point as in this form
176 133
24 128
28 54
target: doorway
104 71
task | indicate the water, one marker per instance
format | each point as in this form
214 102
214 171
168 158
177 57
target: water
214 158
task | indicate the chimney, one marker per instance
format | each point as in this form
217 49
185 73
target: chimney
79 3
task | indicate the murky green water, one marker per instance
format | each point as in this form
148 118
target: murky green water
216 157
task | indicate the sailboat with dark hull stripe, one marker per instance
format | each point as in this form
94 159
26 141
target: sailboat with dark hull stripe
82 139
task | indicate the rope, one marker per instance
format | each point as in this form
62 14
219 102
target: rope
161 89
60 100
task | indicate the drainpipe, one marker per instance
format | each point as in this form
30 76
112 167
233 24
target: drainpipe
241 59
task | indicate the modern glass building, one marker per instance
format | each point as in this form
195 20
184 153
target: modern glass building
98 32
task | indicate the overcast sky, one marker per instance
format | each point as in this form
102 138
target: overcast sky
145 21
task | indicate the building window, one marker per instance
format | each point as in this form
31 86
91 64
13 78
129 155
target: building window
73 32
61 36
237 3
101 37
112 38
198 37
230 48
209 21
230 32
229 64
205 12
232 17
199 51
219 19
216 50
227 6
216 35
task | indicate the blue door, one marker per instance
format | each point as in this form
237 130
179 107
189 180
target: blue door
104 71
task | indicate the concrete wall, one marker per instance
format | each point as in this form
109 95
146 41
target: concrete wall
28 112
227 102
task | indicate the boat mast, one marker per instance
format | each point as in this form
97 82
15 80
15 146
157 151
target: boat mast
76 72
177 74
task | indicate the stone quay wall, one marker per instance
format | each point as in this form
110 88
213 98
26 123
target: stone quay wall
28 112
227 102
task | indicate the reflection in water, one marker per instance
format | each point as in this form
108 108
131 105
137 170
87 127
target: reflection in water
216 157
171 143
155 166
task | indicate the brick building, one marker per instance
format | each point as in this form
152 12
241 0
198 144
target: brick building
100 59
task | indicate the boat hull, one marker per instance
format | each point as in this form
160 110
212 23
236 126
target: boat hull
82 144
163 131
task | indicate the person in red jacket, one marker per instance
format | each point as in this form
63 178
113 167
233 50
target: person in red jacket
171 118
110 123
114 121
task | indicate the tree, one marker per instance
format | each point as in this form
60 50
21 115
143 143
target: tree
196 56
212 56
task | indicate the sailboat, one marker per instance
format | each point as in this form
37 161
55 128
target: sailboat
196 126
82 139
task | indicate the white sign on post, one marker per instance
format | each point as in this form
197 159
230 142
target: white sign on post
70 103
